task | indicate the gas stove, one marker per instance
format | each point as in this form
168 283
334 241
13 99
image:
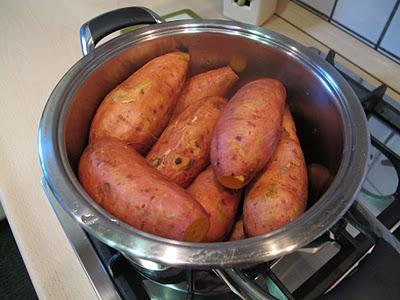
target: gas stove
322 269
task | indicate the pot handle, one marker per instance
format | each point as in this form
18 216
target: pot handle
97 28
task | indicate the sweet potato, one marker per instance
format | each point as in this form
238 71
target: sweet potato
288 126
247 132
279 194
216 82
182 150
219 203
319 180
237 231
123 183
138 109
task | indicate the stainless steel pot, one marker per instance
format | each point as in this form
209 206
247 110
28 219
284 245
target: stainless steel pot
331 126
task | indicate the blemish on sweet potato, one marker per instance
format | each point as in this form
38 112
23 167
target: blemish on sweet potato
250 123
122 118
218 105
182 163
103 192
194 147
155 162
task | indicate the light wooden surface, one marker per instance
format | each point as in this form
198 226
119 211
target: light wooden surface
39 42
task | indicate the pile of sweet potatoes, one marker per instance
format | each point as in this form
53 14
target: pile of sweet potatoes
172 157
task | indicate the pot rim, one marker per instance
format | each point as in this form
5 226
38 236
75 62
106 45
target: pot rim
316 220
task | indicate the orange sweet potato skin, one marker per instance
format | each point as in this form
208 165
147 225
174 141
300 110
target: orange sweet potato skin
122 182
219 203
182 150
279 194
216 82
237 231
138 109
288 126
248 131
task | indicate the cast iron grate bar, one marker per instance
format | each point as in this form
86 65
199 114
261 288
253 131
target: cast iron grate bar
352 249
264 271
389 153
372 99
190 287
127 281
279 284
330 57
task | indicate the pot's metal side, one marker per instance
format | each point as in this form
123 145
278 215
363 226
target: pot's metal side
316 220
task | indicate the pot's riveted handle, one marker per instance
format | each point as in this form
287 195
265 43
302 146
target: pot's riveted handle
97 28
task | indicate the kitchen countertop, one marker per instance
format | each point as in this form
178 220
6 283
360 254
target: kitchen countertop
39 44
